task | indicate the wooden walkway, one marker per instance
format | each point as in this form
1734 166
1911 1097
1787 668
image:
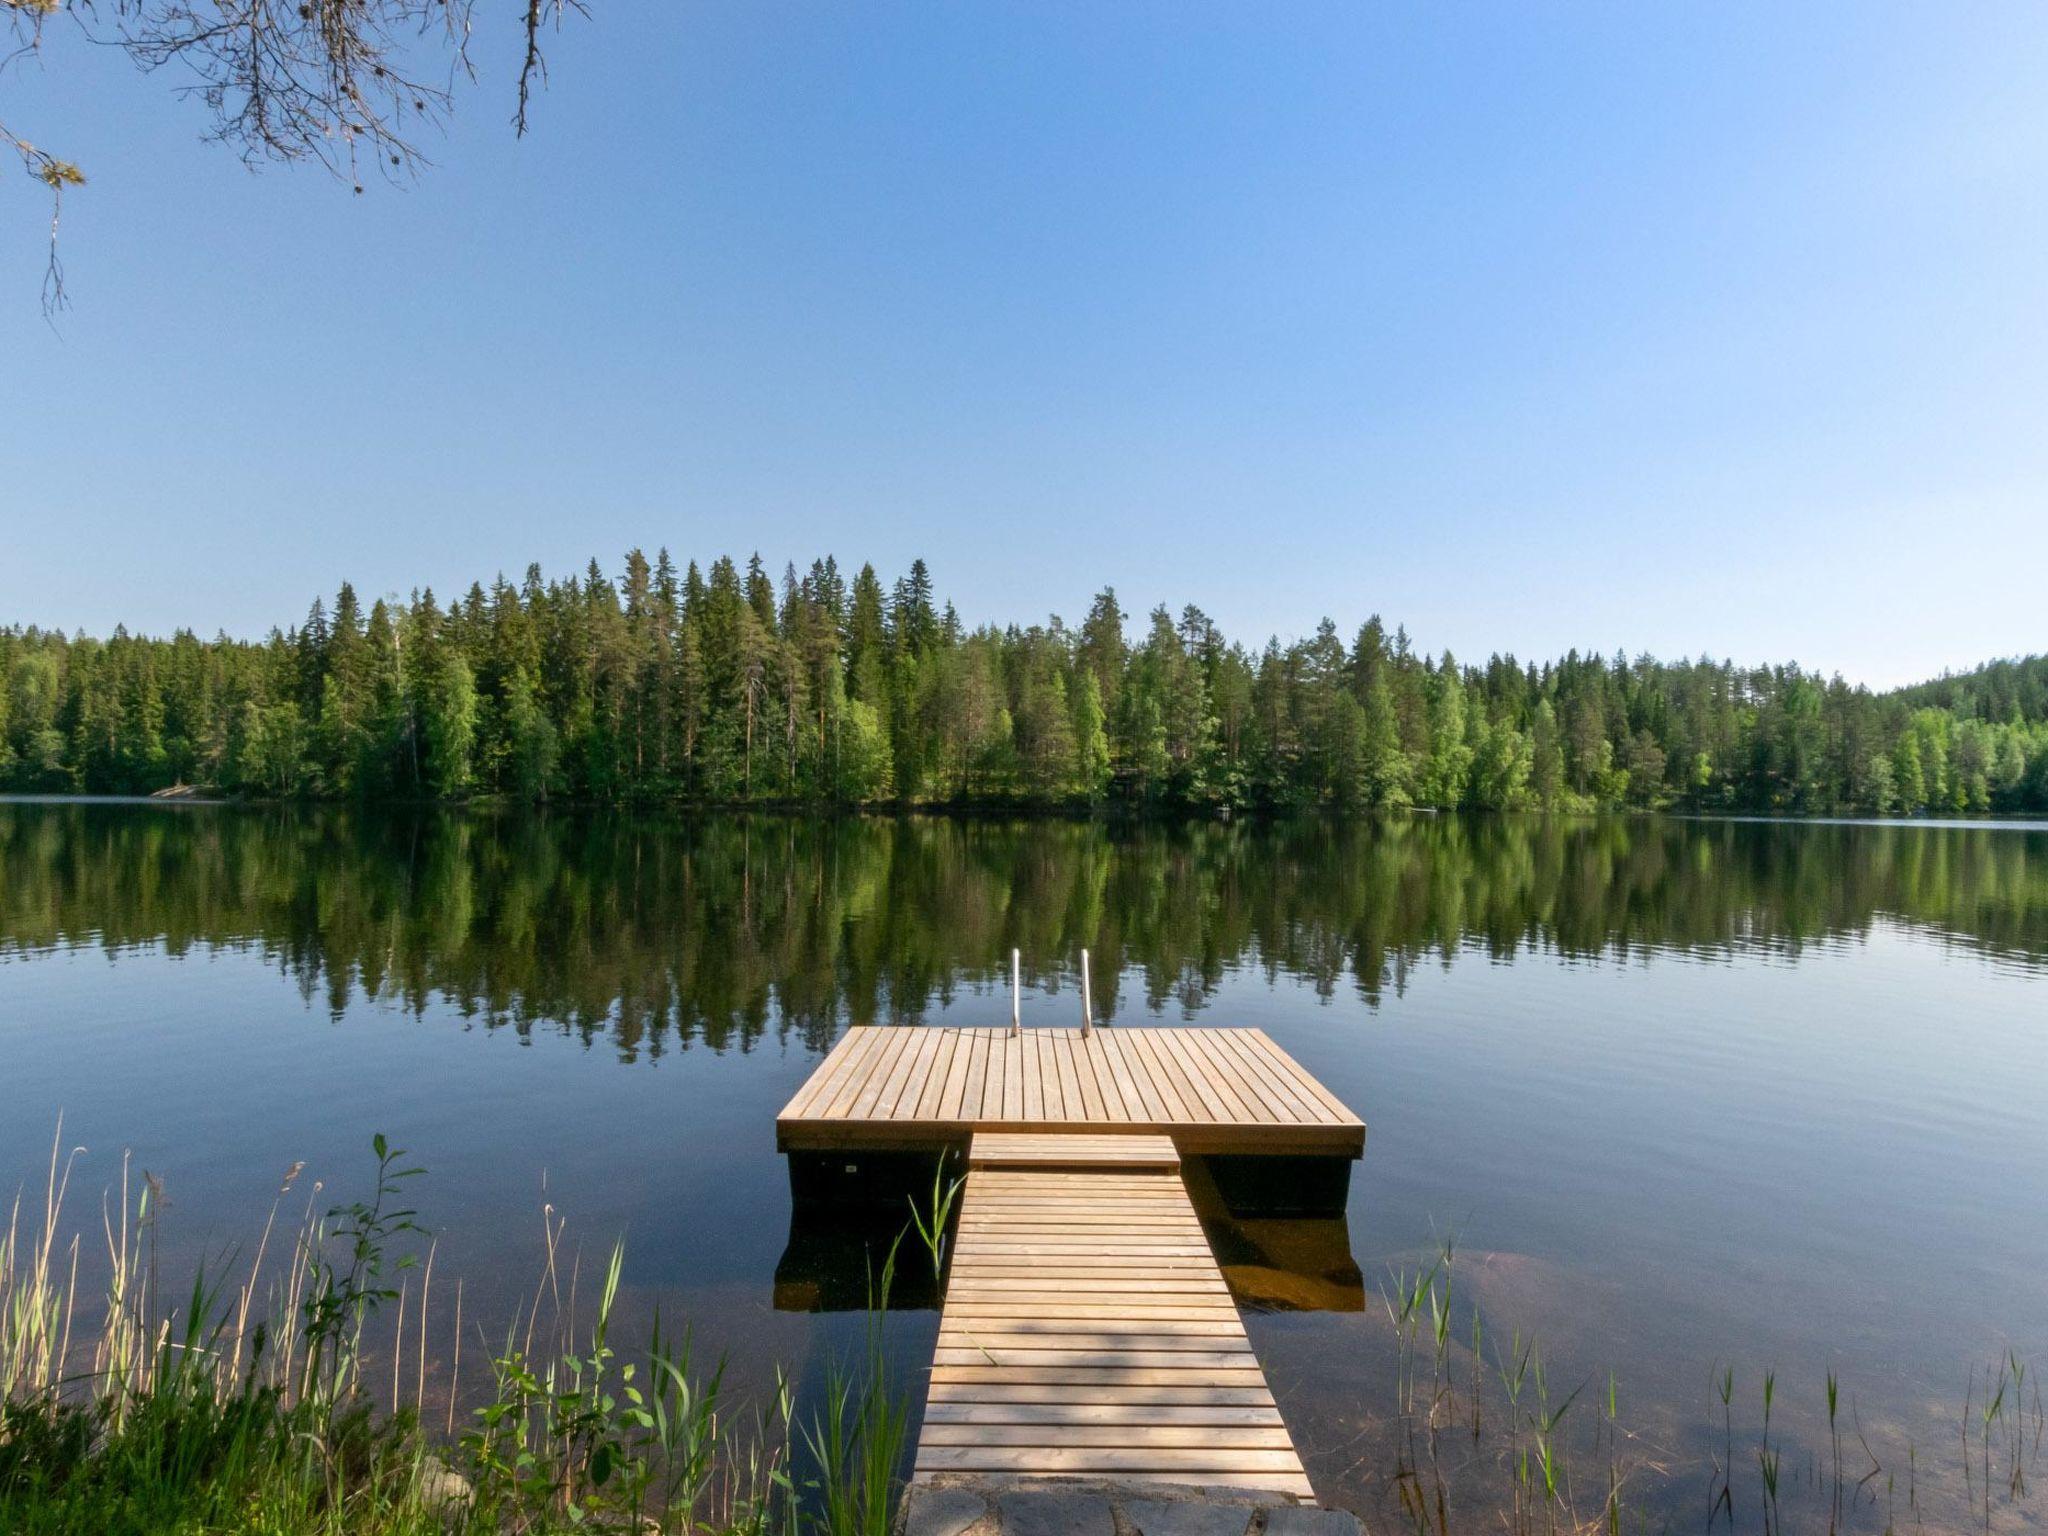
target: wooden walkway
1211 1090
1087 1331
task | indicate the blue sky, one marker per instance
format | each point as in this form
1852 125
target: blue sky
1680 328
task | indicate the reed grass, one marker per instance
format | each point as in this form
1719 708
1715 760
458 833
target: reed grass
246 1404
1536 1457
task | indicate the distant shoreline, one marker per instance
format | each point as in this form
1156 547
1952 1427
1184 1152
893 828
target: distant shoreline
992 811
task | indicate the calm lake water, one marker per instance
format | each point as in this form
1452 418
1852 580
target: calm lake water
1687 1094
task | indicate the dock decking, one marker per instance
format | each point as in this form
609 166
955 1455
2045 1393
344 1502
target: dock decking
1210 1089
1086 1330
1088 1333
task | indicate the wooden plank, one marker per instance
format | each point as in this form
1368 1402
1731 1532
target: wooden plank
1194 1092
1135 1206
982 1343
981 1322
931 1088
953 1093
1035 1045
1121 1376
1221 1103
1116 1256
1078 1197
1061 1223
861 1061
1102 1459
1111 1136
1274 1482
1116 1093
1181 1105
1095 1413
1116 1182
1246 1097
1148 1214
1214 1322
975 1090
984 1093
1031 1101
896 1043
1004 1098
1120 1046
822 1076
978 1245
1052 1225
1055 1227
1086 1215
1178 1395
1045 1217
1207 1092
1218 1437
1281 1090
1117 1087
1082 1199
1104 1332
1011 1149
1075 1065
1338 1113
1111 1356
981 1287
1154 1282
1086 1224
849 1088
909 1077
1080 1194
1153 1267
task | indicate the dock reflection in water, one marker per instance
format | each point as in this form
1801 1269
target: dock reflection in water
1273 1262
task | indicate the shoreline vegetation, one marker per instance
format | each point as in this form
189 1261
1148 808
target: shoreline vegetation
993 811
322 1391
727 688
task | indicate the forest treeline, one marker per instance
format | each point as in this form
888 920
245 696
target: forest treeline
731 687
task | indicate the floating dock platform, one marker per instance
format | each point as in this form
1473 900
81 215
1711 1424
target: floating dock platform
1218 1091
1087 1332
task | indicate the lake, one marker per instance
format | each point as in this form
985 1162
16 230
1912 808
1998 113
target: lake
1684 1095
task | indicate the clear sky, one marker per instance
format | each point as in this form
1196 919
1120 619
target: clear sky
1676 328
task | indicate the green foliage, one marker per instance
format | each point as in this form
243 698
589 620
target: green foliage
160 1426
731 688
857 1440
342 1295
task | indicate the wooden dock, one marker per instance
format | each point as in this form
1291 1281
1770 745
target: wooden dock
1211 1090
1087 1332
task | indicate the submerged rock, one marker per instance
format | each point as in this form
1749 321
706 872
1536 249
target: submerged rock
1185 1517
1055 1514
444 1490
940 1512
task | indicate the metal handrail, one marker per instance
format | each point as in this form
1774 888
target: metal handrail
1017 995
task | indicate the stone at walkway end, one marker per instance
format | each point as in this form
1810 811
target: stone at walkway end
941 1512
1302 1520
1055 1514
1154 1517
